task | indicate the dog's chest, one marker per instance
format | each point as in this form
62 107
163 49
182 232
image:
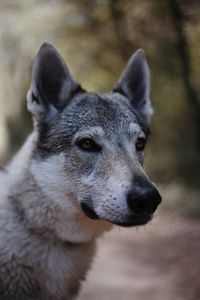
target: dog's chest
63 268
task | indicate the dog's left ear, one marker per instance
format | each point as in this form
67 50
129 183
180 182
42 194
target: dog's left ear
134 84
52 84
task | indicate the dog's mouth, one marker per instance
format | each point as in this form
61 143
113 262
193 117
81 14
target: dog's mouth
135 220
89 211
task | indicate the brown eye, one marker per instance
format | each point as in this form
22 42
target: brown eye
88 145
140 144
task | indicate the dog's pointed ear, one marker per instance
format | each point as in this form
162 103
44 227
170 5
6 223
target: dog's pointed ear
52 84
134 84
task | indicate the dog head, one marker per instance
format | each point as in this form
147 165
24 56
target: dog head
91 146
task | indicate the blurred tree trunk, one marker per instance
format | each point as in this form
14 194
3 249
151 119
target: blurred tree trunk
178 19
120 27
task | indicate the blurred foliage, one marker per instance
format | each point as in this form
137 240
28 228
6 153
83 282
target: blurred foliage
97 38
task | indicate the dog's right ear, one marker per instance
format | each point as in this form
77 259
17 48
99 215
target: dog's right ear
52 84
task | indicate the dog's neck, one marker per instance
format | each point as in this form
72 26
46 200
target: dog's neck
46 204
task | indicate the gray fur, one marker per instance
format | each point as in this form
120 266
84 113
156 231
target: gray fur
47 240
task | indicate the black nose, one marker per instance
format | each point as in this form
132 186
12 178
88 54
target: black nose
143 199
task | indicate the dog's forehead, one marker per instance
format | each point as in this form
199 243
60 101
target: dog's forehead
95 115
108 111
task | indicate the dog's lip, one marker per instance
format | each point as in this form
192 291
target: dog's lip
89 211
134 221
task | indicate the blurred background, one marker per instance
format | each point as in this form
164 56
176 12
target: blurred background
96 38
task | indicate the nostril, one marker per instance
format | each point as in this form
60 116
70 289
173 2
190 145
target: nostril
136 203
138 207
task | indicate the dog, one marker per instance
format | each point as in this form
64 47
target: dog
79 172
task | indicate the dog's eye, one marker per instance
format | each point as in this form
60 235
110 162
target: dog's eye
140 144
88 145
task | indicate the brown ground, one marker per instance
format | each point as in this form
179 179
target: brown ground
158 262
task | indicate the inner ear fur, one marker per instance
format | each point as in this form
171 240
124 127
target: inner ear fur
134 83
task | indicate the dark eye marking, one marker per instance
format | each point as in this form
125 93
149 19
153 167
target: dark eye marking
88 145
140 144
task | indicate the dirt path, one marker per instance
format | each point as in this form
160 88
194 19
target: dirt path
158 262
